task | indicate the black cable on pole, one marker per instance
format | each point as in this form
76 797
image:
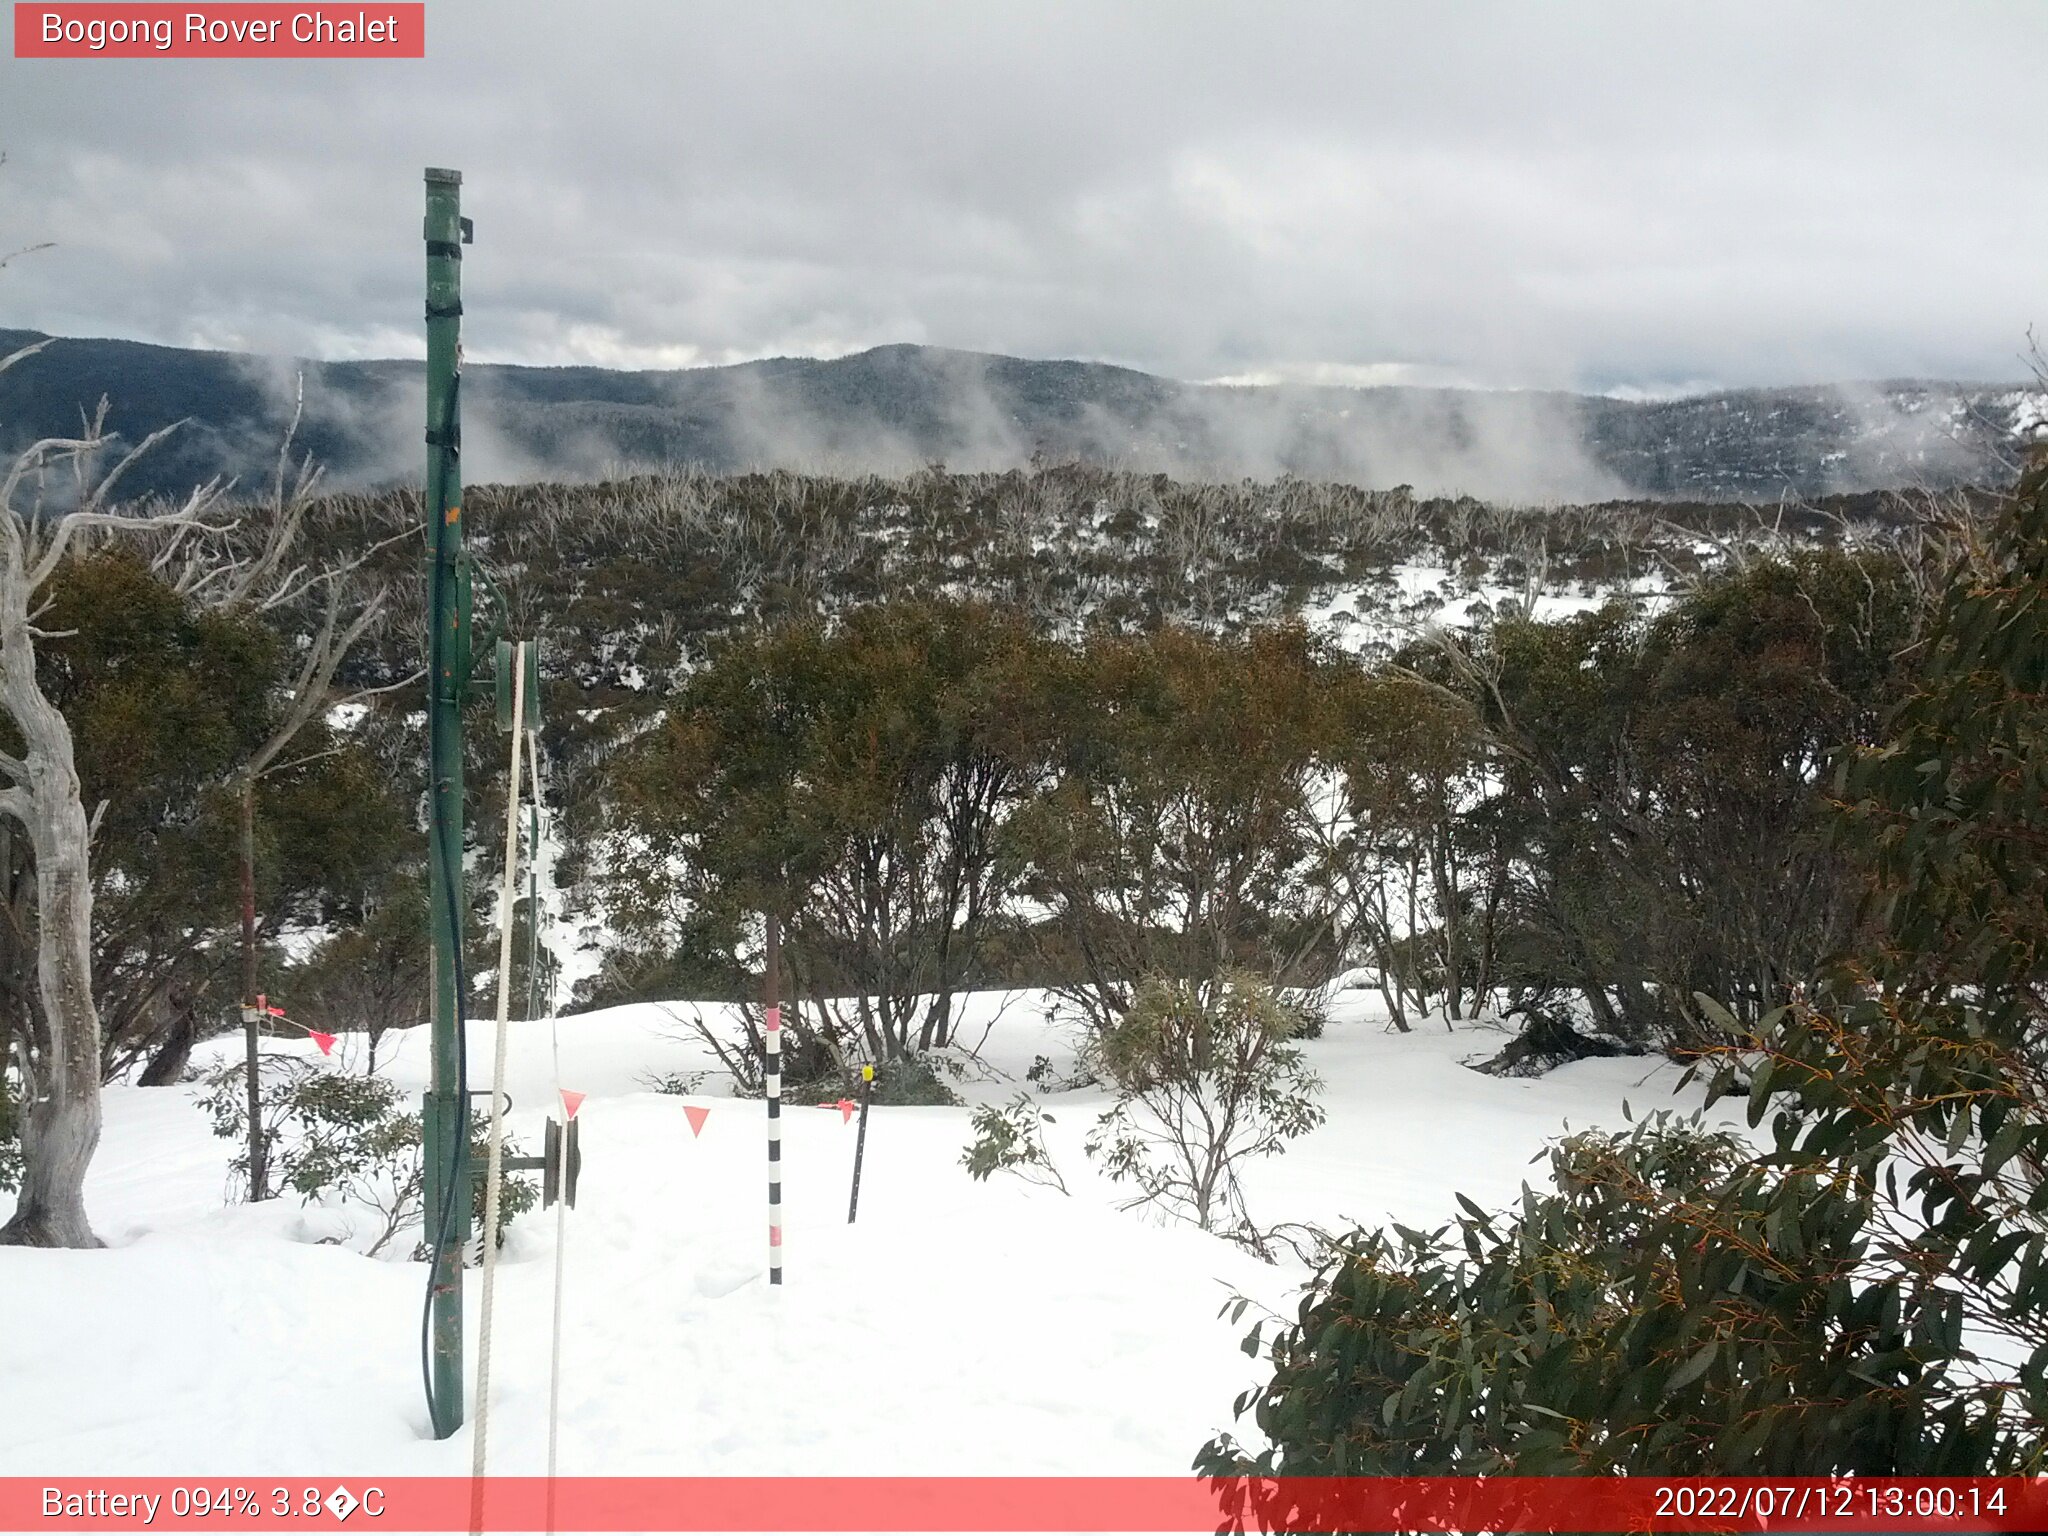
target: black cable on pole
449 884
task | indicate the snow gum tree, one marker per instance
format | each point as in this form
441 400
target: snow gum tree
1179 835
61 1078
1655 787
853 779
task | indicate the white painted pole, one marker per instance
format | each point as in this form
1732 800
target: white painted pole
494 1176
772 983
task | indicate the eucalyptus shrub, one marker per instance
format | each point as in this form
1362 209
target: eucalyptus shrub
1008 1138
1207 1079
338 1135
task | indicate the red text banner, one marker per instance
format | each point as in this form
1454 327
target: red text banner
220 31
1018 1504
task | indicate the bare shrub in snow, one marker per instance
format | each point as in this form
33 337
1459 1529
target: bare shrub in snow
681 1084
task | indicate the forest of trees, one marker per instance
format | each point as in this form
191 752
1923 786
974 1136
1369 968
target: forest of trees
1590 819
1057 728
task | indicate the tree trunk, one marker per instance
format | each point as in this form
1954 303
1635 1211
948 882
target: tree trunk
1547 1040
175 1053
62 1125
251 1019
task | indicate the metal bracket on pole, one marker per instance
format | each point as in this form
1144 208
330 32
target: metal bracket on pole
561 1163
517 656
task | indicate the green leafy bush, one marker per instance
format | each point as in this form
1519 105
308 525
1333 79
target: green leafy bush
1627 1321
1008 1139
911 1080
336 1135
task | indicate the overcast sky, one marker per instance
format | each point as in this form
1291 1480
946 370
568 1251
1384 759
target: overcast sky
1604 196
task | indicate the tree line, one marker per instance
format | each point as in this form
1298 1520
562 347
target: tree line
1589 819
941 792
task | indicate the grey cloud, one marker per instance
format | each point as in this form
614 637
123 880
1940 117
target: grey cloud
1569 195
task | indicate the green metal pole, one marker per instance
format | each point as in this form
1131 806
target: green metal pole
446 1119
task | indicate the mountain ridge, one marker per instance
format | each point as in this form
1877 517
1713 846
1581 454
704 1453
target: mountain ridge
901 405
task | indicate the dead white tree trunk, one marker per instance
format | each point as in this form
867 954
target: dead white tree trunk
62 1125
41 792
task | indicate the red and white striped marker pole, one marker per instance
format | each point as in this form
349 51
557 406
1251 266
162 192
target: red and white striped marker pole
771 986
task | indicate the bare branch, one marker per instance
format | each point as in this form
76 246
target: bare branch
23 354
311 691
113 476
411 680
36 456
71 522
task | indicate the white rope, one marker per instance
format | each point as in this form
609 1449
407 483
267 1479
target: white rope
494 1178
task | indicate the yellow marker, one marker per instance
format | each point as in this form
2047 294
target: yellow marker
867 1074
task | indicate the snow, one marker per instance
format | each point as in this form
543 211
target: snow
2029 413
1408 598
959 1328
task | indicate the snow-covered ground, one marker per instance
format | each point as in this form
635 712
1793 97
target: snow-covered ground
959 1328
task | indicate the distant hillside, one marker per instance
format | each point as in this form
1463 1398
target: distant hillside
900 407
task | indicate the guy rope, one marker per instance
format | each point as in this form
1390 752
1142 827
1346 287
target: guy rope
561 1158
494 1176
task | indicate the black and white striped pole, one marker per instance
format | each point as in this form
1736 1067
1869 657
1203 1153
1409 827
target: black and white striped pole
772 1007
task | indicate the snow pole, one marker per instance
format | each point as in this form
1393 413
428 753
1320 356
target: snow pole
771 982
555 1331
860 1140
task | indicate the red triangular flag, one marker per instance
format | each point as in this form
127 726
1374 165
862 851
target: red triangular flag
846 1109
325 1042
572 1102
696 1114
